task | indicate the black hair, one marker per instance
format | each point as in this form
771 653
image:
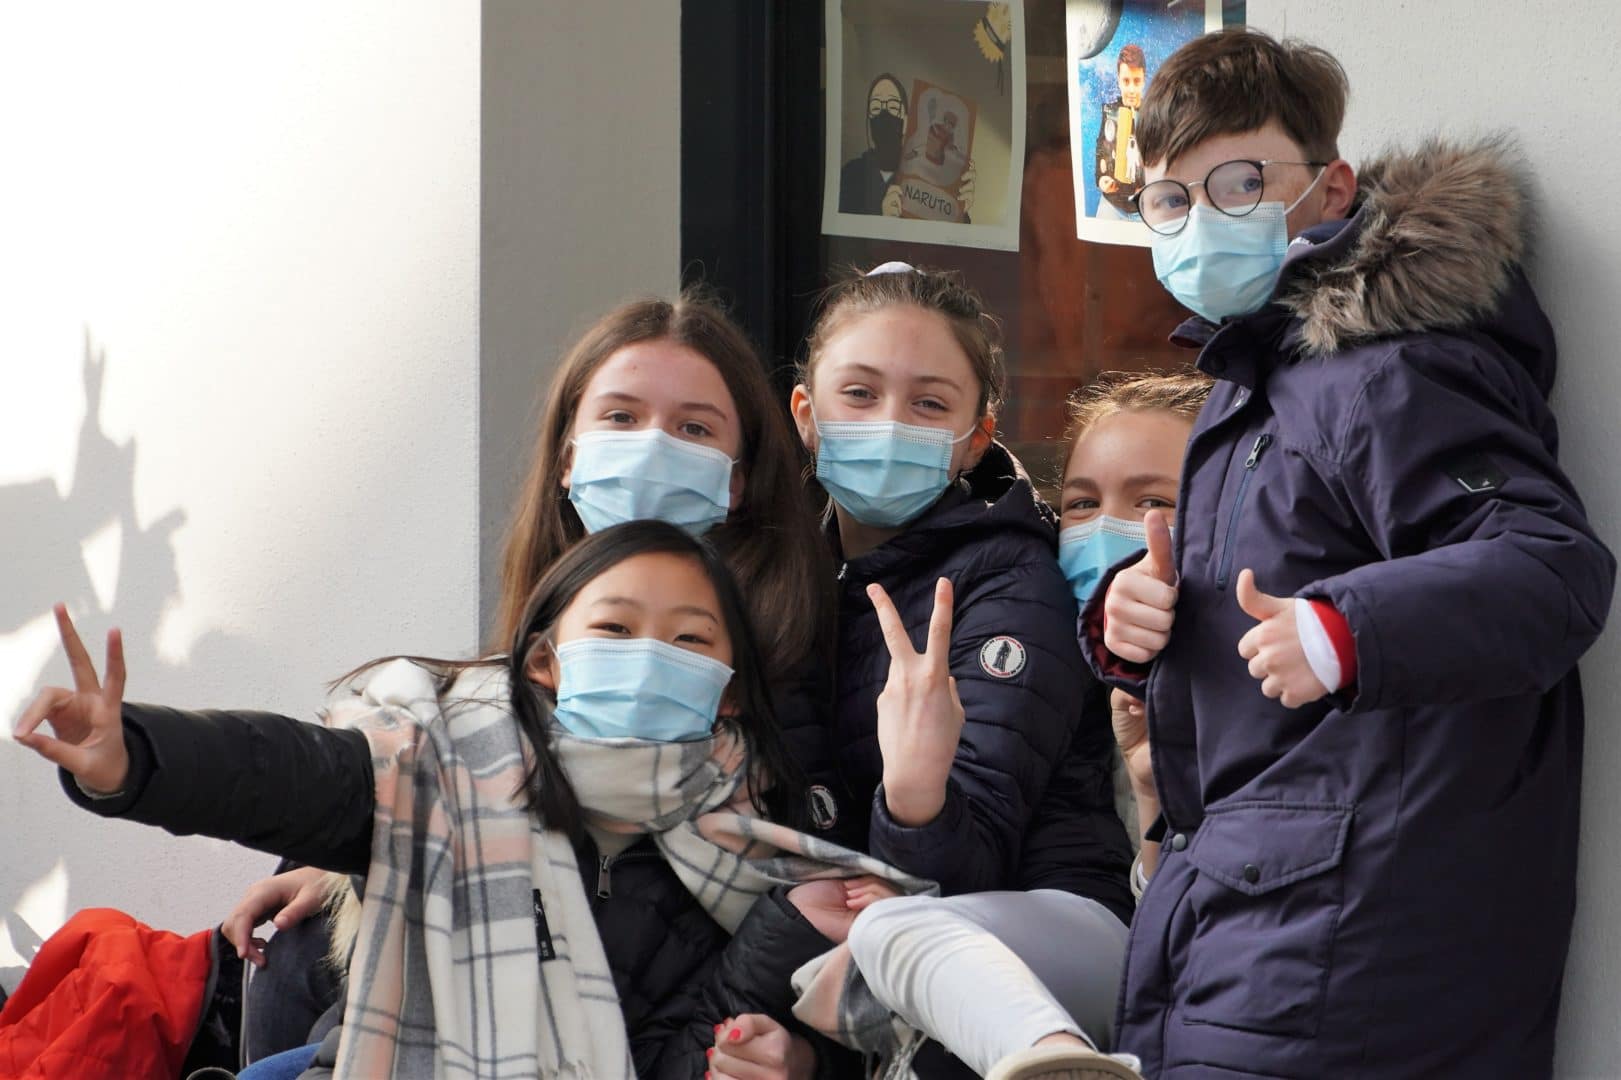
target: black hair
547 789
776 783
881 77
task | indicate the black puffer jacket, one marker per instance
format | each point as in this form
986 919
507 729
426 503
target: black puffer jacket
306 793
1022 682
802 702
1068 845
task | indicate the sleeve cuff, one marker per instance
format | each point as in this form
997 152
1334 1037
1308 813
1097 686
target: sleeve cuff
916 848
1326 639
98 796
118 803
1139 879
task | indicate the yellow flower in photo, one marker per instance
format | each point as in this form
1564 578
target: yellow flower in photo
993 31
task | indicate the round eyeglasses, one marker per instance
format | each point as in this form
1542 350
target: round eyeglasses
1234 187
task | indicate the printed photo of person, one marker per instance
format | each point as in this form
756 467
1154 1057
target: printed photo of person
1113 48
864 180
925 121
1119 165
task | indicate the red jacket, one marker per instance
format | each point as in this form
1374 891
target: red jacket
106 997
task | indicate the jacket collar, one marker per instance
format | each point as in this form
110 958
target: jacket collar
1435 244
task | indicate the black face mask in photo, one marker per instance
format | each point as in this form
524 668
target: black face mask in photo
885 129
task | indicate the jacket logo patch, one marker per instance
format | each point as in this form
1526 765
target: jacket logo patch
1478 474
824 808
1002 657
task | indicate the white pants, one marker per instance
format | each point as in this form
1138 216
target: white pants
989 974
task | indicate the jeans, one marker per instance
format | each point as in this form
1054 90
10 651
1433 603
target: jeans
286 1065
292 991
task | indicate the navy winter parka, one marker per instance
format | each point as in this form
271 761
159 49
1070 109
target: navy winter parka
1382 883
1022 682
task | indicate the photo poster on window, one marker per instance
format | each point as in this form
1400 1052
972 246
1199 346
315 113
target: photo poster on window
1113 49
925 121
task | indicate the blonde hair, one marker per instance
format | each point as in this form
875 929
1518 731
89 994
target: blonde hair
975 329
1182 393
342 910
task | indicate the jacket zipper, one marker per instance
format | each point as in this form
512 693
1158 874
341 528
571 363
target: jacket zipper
1262 441
606 863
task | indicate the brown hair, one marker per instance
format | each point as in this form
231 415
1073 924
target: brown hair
1238 80
1182 393
975 329
770 541
1132 56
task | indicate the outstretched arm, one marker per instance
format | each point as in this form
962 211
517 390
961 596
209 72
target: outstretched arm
293 789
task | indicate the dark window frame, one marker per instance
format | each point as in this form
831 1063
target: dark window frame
751 169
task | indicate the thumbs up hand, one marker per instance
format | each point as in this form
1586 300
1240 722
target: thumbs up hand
1141 603
1272 646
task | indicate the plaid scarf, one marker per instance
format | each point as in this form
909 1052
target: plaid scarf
444 979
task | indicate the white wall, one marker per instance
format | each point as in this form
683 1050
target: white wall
582 202
264 222
1547 72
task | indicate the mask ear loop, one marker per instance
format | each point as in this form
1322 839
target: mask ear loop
1287 210
979 425
536 641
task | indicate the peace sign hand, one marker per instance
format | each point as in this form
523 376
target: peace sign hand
920 717
87 720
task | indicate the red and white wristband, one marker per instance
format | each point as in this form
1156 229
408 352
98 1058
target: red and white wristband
1325 638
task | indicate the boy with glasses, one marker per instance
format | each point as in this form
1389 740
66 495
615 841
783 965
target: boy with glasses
1358 654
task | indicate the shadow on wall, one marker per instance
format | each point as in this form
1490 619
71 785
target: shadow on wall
87 549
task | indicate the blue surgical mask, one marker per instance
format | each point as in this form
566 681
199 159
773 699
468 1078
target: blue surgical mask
638 689
621 476
1221 266
1087 551
882 472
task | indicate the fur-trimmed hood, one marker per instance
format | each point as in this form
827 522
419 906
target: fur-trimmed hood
1435 245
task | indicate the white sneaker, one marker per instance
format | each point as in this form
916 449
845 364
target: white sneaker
1065 1063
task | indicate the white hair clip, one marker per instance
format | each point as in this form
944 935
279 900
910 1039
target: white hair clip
894 266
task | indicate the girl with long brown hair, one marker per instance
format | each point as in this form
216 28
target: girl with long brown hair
660 409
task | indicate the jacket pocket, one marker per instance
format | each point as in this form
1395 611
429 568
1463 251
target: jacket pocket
1265 907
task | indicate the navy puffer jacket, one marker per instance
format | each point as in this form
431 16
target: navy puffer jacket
1022 681
1380 883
